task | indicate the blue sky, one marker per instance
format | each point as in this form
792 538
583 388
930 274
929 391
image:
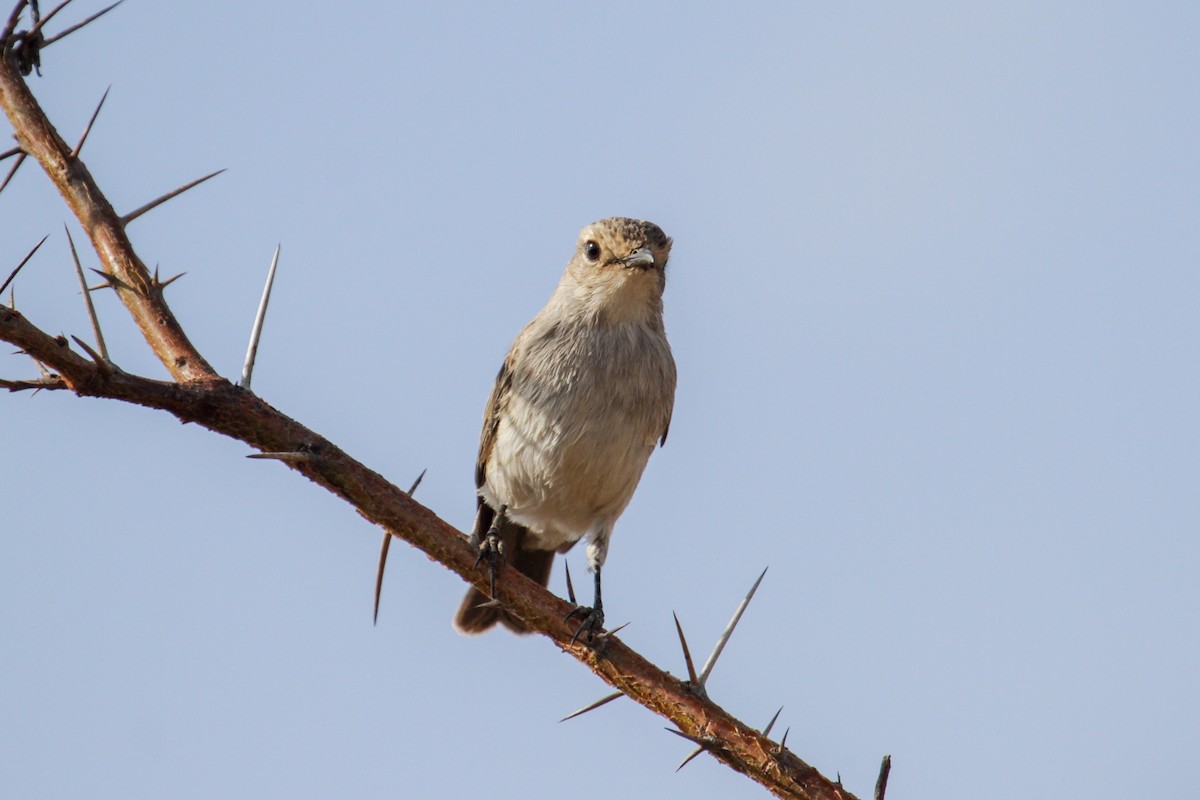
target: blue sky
933 302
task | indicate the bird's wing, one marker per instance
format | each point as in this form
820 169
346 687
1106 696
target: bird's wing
497 400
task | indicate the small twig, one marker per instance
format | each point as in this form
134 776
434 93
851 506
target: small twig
256 331
158 201
75 153
881 782
67 32
16 166
87 297
10 153
24 261
737 616
51 382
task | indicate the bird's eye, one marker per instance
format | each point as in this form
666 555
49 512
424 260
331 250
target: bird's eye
592 251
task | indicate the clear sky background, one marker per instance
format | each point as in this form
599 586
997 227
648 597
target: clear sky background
933 299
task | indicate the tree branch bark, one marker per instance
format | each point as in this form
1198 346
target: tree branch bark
198 395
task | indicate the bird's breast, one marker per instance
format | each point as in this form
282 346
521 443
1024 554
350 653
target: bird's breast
584 412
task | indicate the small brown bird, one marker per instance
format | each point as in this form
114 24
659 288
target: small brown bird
585 393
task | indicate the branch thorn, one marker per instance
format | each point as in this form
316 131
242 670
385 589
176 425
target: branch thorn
737 616
67 32
767 730
16 166
87 298
24 261
75 153
687 655
383 548
259 318
602 701
132 215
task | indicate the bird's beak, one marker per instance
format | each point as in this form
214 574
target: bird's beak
641 258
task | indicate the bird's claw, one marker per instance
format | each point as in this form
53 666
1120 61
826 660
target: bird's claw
593 623
491 548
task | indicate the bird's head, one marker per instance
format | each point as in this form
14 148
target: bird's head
619 267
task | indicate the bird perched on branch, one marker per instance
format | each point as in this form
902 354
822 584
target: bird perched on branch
583 397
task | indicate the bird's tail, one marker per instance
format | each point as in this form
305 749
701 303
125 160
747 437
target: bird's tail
534 564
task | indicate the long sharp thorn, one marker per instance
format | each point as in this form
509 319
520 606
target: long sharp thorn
24 261
767 730
87 348
417 482
592 707
10 153
67 32
16 166
687 654
87 297
259 318
292 456
881 782
614 631
92 121
383 554
111 281
42 22
164 284
783 741
158 201
688 760
570 586
737 616
700 740
13 19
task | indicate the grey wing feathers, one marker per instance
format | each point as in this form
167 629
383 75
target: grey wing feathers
487 441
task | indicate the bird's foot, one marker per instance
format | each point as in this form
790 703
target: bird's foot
592 624
492 549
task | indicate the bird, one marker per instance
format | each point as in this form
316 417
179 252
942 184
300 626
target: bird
582 399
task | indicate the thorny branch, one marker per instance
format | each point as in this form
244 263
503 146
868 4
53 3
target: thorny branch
199 395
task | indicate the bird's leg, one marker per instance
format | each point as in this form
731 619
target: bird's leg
593 618
493 548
